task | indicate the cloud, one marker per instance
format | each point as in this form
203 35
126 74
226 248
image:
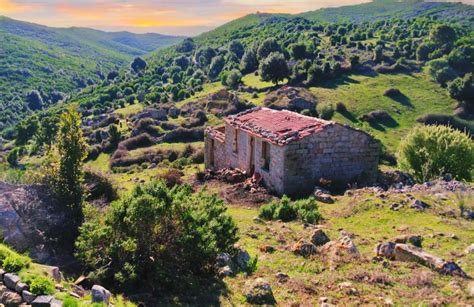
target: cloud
9 6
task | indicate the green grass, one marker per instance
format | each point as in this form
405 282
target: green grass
208 88
130 110
363 94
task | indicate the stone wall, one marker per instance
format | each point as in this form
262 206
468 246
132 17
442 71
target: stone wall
337 153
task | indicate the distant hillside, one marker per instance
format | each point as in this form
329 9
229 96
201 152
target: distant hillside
58 61
380 9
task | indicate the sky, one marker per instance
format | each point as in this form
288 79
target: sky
178 17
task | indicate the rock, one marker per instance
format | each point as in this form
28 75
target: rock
344 244
11 280
56 303
470 289
304 248
11 299
223 259
20 286
282 277
241 258
225 271
259 292
27 296
396 206
2 272
323 196
415 240
319 238
469 249
408 253
267 249
3 289
258 220
100 294
419 205
42 301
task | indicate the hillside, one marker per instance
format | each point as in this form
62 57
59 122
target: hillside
382 9
56 62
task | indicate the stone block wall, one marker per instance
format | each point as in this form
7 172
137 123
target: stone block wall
337 153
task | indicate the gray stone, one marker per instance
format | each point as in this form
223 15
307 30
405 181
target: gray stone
20 286
100 295
415 240
319 238
42 301
2 272
225 271
259 292
469 249
11 299
28 297
11 280
242 258
56 303
419 205
304 248
282 277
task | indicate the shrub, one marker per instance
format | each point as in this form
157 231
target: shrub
156 237
325 110
141 140
286 210
40 285
341 107
70 301
392 92
16 263
171 177
431 151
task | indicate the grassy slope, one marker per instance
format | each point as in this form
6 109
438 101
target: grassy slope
370 219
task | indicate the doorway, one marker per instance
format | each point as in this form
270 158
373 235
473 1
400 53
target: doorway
252 156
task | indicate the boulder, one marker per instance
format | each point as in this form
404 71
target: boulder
225 271
469 249
282 277
11 299
20 286
267 249
100 295
259 292
419 205
304 248
11 280
415 240
27 296
241 257
409 253
323 196
42 301
319 238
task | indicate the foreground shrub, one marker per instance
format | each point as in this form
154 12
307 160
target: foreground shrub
156 237
286 210
16 263
431 151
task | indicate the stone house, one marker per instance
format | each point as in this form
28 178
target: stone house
291 152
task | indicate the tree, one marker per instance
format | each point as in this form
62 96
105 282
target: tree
47 130
138 64
274 68
249 62
66 175
217 64
34 100
187 45
156 237
234 79
268 46
354 60
432 151
237 48
26 130
298 51
462 89
12 157
378 54
442 35
423 51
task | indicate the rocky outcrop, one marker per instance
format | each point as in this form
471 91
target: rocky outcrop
30 222
259 292
291 98
408 253
100 295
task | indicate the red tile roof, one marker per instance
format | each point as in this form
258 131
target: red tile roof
278 127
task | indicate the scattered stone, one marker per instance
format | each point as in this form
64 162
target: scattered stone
42 301
20 286
469 249
259 292
2 272
396 206
258 220
319 237
419 205
11 298
415 240
345 244
267 249
304 248
56 303
225 271
28 297
323 195
408 253
282 277
11 280
100 294
241 258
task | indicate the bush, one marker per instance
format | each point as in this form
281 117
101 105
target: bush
156 237
341 107
16 263
70 301
141 140
40 285
432 151
325 110
286 210
171 177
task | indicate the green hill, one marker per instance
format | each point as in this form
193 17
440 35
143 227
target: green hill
58 61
